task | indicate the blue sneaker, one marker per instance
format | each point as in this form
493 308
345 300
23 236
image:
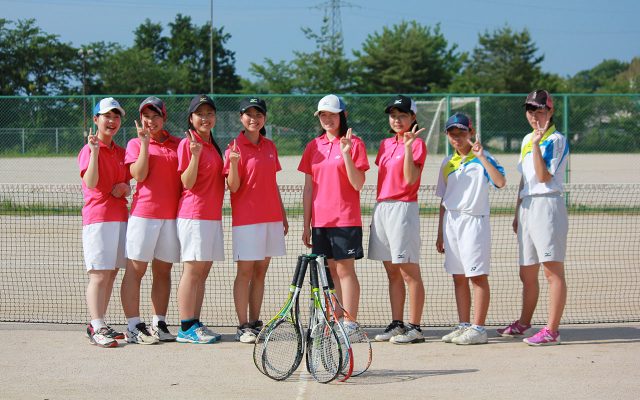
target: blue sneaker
196 334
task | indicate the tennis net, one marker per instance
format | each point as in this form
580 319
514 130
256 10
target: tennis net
43 279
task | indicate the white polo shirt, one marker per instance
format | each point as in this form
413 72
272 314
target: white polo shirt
555 153
463 183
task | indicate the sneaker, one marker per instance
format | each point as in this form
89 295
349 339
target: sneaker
161 332
544 337
471 336
100 337
140 335
209 332
113 334
245 333
448 338
257 327
196 334
513 330
395 328
350 327
411 335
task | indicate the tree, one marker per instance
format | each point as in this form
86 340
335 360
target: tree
135 71
503 62
33 62
407 58
598 77
149 36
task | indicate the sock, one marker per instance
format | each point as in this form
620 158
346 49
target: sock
414 326
464 325
132 322
96 324
158 318
186 324
479 328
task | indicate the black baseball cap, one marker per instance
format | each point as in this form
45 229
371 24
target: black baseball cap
539 99
155 104
402 103
249 102
459 120
200 99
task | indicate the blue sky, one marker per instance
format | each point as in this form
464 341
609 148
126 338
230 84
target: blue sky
573 35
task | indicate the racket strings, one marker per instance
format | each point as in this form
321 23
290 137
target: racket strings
324 353
282 350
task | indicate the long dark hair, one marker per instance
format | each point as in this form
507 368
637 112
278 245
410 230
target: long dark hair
344 126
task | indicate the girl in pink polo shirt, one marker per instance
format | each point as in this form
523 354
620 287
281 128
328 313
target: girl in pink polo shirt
105 186
334 165
395 224
199 217
258 214
152 236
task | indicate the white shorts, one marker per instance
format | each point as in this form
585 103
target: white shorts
395 232
200 240
149 238
467 244
103 244
543 226
258 241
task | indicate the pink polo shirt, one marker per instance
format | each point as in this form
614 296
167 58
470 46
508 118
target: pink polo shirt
335 202
390 162
157 196
256 201
204 200
99 204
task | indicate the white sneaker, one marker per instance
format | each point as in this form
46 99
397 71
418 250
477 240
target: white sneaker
140 335
455 333
245 333
412 335
471 336
161 332
211 333
393 329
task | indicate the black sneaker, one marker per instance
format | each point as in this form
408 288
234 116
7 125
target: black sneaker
394 328
161 332
113 334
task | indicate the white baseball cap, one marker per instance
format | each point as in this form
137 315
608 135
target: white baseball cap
106 105
330 103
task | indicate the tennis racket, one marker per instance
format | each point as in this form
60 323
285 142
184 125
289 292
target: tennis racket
279 346
334 320
324 353
358 338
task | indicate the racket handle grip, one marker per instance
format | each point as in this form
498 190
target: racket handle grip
314 273
302 272
294 280
329 278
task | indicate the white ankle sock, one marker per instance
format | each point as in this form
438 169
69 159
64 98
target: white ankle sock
132 322
158 318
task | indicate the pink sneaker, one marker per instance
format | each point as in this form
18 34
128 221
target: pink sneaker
513 330
544 337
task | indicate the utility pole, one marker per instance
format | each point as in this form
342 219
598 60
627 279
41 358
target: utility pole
83 55
211 51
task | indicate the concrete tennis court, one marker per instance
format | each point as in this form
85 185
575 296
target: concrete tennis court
56 362
51 361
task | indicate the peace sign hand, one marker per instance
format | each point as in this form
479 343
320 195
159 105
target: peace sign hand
94 142
345 143
539 132
194 146
234 152
143 132
410 136
476 148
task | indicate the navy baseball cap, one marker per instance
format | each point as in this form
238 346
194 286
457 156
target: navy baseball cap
539 99
199 100
459 120
249 102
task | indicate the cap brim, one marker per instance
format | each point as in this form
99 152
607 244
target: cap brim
112 108
244 109
328 109
460 126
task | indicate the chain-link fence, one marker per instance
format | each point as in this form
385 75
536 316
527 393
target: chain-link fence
44 126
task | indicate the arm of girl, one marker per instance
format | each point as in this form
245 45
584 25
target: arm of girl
307 197
140 168
410 169
91 175
190 174
496 177
356 176
233 178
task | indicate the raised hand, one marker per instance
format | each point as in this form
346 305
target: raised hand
94 142
410 136
476 148
234 152
194 146
345 142
539 132
143 132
